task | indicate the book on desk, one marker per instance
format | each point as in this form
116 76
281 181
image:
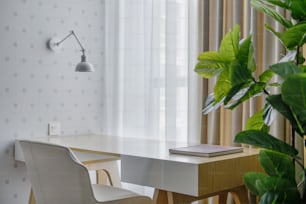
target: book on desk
206 150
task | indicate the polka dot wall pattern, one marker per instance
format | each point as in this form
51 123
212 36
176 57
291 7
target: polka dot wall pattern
38 86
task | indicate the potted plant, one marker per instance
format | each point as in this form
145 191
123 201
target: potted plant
234 66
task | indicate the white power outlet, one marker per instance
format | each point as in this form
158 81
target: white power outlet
54 128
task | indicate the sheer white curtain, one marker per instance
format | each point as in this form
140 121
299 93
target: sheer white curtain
151 89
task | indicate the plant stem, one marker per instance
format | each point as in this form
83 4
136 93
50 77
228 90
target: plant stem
299 163
297 55
292 137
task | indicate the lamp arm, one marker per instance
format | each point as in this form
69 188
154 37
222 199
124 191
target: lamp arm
76 37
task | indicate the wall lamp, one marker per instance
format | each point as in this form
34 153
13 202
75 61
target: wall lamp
82 66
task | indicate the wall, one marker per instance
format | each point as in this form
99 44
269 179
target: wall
38 86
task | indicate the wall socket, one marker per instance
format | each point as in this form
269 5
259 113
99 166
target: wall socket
54 128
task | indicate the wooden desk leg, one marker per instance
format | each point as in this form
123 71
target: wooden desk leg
31 197
160 197
166 197
253 198
240 195
222 198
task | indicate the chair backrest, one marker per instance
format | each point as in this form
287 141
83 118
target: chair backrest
57 177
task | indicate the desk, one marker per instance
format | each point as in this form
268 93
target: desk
176 178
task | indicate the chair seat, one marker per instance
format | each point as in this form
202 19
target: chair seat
112 195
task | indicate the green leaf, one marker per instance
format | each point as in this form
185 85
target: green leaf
270 197
277 164
265 140
279 190
246 53
223 85
294 91
276 101
298 9
285 69
210 64
270 12
280 3
240 74
242 66
210 104
251 179
274 32
276 84
269 114
234 91
230 44
256 122
271 189
254 89
266 76
213 63
294 36
294 95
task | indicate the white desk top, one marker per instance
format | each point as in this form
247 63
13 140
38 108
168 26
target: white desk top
135 147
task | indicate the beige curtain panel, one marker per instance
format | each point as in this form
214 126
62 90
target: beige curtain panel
219 17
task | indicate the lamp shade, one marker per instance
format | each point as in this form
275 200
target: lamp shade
84 66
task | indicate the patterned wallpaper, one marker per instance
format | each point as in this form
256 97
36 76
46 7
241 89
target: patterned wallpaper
38 86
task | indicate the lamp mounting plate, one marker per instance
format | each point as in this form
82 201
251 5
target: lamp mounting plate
53 45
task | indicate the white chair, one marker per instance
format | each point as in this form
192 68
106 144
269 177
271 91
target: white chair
57 177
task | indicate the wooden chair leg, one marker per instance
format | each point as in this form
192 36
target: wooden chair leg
109 169
102 175
32 198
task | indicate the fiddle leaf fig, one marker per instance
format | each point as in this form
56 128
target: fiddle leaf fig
271 189
277 164
266 76
294 36
272 30
276 101
261 5
254 89
210 104
294 95
269 114
230 44
256 122
285 69
280 3
210 64
242 66
223 85
252 179
262 139
298 9
234 66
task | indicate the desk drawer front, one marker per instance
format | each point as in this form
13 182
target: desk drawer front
166 175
